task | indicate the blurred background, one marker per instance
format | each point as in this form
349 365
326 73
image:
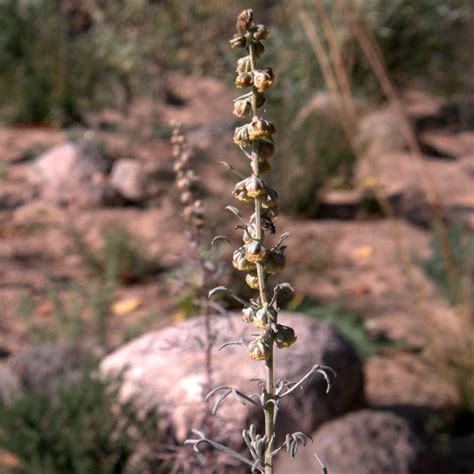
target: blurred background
374 106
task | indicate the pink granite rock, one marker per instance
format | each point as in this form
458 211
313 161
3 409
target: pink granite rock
165 370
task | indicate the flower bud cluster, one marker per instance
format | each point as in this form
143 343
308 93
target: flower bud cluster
259 316
259 348
262 79
255 138
245 257
265 317
186 180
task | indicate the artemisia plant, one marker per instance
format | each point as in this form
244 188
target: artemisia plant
258 259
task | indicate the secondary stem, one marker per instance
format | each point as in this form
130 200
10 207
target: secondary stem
209 344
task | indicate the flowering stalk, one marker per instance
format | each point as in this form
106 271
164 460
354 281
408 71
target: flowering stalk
255 139
194 216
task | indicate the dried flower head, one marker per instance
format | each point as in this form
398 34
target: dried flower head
276 260
244 65
242 107
248 314
255 251
264 316
259 348
244 79
260 128
284 336
265 148
250 234
263 79
240 262
244 20
252 280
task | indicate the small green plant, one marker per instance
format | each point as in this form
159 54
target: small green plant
119 260
78 313
259 261
86 429
321 157
82 311
36 333
122 259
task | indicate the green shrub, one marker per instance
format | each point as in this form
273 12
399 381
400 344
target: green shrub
59 62
320 156
56 64
79 312
82 312
86 430
120 258
420 39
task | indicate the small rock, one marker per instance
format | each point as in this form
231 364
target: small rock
165 369
40 370
127 178
364 442
403 179
73 173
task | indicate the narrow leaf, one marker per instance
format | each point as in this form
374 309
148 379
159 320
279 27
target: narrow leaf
283 238
217 289
237 213
220 237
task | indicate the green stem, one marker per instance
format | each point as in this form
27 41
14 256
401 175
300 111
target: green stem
269 384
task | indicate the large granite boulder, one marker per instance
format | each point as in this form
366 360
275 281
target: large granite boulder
165 369
364 442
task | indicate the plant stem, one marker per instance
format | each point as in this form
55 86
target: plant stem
208 422
269 385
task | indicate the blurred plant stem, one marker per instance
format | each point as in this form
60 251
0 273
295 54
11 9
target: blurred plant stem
194 217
